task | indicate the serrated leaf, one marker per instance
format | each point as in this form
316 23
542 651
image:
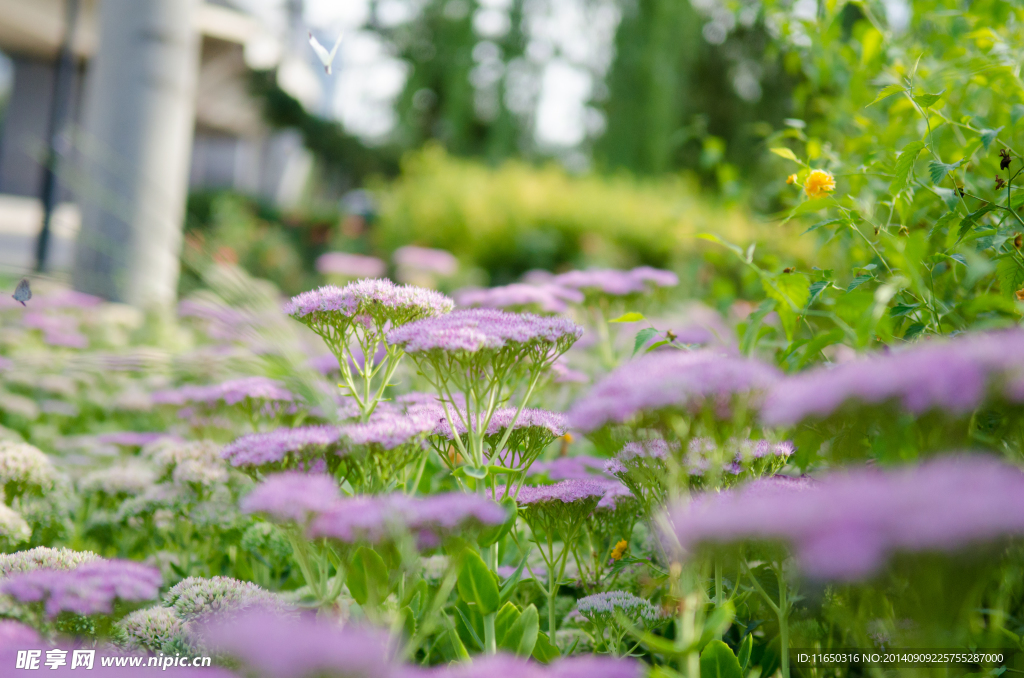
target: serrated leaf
816 289
900 310
642 337
971 220
718 661
887 92
913 331
938 170
904 165
1011 276
988 136
926 100
476 583
858 281
942 222
784 153
628 318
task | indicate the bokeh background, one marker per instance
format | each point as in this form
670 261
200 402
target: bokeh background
517 134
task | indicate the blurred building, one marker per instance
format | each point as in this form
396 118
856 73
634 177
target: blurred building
231 149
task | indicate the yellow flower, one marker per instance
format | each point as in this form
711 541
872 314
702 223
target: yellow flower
619 550
791 179
819 182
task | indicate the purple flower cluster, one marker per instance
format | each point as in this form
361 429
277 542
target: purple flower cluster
372 519
638 450
547 298
616 282
389 429
58 330
565 492
350 265
289 647
507 666
292 496
17 636
425 260
257 449
552 422
90 588
581 467
679 379
229 392
376 297
953 375
474 330
845 525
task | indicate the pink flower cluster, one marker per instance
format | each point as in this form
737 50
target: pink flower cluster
229 392
678 379
351 265
616 282
846 524
366 296
89 588
548 298
257 449
475 330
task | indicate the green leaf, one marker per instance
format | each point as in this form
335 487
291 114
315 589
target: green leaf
510 584
812 205
474 472
521 637
971 220
900 310
827 222
495 533
819 342
453 648
858 281
1011 276
476 584
887 92
942 222
792 291
503 621
754 321
784 153
816 289
904 165
1016 113
913 331
628 318
545 651
367 577
938 170
718 661
988 136
642 337
746 646
926 100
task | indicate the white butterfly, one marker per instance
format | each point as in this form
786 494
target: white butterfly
326 58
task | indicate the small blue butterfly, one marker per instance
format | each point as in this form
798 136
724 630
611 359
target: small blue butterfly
23 292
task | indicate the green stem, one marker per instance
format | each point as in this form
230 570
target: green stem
783 623
490 642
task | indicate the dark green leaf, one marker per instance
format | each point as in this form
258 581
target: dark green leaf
816 289
913 331
938 170
718 661
900 310
642 337
942 222
904 165
858 281
476 584
1011 276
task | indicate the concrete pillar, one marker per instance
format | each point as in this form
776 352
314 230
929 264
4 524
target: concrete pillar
134 150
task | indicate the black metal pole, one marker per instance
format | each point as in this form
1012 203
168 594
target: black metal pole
60 103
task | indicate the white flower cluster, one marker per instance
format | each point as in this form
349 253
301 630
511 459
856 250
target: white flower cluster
24 465
150 629
43 557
